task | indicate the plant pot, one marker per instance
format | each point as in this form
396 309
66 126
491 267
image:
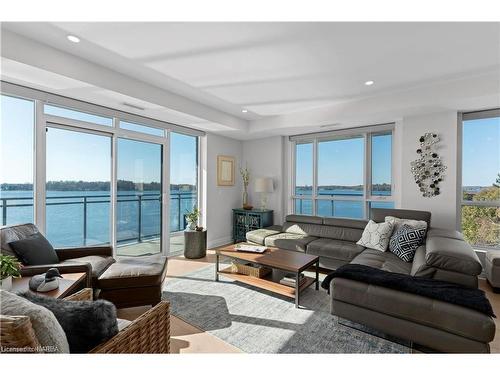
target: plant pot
6 284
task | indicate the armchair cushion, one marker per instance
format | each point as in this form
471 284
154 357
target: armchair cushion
98 263
34 250
86 323
14 233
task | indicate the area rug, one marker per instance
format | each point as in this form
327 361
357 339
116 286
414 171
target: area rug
257 321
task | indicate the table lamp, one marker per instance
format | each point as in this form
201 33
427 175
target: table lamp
264 185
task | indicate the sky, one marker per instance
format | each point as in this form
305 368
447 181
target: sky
82 156
78 156
340 162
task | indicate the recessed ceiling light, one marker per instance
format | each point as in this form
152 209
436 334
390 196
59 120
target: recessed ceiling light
73 39
244 110
369 83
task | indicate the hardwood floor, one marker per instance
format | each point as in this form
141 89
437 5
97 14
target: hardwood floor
185 338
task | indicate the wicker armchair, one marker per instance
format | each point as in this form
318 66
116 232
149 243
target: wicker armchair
149 333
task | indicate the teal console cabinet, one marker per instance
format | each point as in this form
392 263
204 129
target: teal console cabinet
246 220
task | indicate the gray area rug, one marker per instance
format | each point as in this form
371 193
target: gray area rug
257 321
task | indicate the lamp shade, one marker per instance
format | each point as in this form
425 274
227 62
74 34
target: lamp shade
264 185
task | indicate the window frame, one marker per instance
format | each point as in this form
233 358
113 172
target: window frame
460 202
42 120
367 198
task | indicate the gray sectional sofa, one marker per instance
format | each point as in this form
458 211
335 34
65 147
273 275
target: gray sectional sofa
445 256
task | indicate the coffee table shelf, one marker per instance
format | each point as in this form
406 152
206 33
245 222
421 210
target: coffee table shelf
266 283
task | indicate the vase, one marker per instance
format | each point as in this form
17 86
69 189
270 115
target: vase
6 284
191 226
245 198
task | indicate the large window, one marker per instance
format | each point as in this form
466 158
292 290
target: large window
78 188
480 213
336 174
101 174
183 178
16 160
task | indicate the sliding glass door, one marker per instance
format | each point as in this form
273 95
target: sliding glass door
78 176
139 197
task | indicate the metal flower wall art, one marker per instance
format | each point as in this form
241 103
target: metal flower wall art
428 170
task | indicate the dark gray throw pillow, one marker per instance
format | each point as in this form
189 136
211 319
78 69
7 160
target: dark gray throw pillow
405 241
34 250
86 323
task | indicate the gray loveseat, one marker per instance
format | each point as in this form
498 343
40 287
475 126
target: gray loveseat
445 256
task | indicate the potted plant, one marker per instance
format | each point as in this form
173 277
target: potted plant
9 268
192 218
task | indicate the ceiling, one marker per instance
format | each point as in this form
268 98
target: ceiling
275 69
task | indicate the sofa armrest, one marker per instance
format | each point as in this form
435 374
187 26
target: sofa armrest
79 252
149 333
63 268
452 254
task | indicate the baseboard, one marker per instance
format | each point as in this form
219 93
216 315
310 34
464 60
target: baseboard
219 242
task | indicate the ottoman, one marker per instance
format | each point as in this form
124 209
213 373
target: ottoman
492 269
133 281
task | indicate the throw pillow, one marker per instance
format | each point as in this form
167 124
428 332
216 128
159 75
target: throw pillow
34 250
86 323
376 235
48 331
405 242
397 223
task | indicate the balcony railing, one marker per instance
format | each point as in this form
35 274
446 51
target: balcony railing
177 209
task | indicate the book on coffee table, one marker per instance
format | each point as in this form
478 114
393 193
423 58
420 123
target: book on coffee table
250 248
291 280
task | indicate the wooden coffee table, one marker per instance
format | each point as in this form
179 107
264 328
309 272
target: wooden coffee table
284 260
69 284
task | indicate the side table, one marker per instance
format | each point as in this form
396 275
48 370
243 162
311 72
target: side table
195 244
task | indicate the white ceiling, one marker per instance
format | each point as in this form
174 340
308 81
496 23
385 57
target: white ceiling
275 69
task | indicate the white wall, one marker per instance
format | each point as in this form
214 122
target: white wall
264 158
218 201
409 130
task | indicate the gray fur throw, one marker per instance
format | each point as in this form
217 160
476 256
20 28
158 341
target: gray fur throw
86 323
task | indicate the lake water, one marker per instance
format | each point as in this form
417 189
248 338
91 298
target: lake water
66 210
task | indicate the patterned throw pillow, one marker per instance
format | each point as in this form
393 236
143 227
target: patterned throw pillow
405 242
376 235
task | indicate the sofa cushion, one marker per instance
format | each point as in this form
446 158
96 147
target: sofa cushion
337 229
98 263
34 250
376 235
48 331
405 241
439 232
259 235
453 255
289 241
134 272
14 233
325 247
398 223
379 214
441 315
306 219
86 323
419 266
386 261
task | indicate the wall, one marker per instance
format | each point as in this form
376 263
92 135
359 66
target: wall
264 158
409 130
218 201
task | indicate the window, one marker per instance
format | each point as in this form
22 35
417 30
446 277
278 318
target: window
303 178
142 129
480 205
336 177
16 160
183 178
77 188
77 115
139 187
